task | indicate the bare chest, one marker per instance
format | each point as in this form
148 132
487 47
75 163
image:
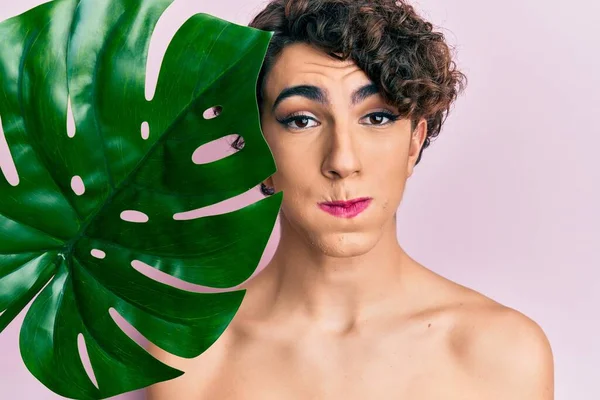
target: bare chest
362 371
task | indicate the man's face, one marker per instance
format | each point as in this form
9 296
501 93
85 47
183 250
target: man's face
333 141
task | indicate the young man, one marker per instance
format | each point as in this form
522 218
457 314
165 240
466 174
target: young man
350 95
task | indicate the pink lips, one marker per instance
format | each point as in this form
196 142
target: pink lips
346 209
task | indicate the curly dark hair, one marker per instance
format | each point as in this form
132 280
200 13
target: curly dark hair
410 63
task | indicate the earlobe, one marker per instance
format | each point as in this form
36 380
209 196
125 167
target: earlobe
268 182
266 187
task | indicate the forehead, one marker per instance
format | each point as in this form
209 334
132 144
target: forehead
301 63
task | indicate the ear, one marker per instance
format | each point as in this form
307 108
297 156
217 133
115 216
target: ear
417 139
268 182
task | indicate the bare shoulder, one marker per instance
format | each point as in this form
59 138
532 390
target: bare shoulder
198 372
174 387
506 353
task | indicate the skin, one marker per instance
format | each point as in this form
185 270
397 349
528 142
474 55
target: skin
342 311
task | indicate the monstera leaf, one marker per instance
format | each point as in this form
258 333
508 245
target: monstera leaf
65 232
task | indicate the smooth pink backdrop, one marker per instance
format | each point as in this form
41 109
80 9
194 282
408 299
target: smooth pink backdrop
506 200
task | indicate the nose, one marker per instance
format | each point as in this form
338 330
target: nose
341 154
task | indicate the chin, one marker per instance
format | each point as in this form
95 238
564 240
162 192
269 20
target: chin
344 244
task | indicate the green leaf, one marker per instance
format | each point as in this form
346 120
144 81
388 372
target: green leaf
92 54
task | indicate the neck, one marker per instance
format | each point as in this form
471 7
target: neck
332 293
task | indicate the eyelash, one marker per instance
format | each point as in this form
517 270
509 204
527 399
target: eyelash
285 122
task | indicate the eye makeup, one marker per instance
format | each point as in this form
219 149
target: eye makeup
304 120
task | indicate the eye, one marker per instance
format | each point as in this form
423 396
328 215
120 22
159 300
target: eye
301 122
378 118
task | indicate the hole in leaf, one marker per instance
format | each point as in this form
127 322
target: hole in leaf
223 207
85 359
212 112
168 25
162 277
98 254
70 119
127 328
77 185
145 130
238 143
215 150
134 216
7 165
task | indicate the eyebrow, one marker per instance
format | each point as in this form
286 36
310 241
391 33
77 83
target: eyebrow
317 94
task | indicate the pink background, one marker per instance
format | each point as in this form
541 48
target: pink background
506 199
